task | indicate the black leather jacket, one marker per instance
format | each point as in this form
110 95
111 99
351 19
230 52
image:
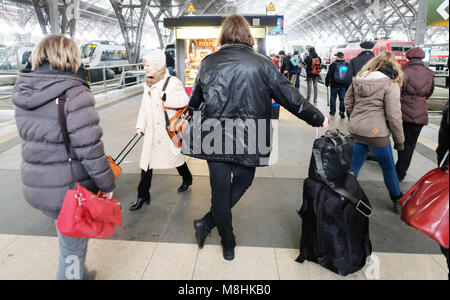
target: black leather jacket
237 85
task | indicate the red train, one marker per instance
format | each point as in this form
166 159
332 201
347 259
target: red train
352 50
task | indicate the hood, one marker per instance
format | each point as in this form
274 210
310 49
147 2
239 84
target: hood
35 89
370 84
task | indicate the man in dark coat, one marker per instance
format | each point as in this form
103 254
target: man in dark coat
170 63
285 63
335 78
418 86
359 62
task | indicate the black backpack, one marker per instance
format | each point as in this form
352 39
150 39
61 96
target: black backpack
340 72
335 231
332 156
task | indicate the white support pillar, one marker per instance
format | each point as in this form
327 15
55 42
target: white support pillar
54 16
421 25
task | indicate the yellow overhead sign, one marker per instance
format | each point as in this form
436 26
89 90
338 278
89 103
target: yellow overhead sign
191 8
271 7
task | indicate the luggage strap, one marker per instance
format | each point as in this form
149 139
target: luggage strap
362 207
164 98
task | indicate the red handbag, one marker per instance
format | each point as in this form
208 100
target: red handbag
425 206
84 214
77 220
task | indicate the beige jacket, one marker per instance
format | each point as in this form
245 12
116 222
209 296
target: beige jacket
374 107
158 151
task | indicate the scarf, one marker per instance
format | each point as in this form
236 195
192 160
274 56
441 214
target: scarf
157 77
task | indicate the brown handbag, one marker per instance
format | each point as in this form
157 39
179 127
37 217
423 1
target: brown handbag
177 125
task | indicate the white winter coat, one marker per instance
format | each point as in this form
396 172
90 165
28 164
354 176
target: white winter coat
158 151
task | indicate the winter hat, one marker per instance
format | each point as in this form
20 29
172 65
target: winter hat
367 45
156 58
340 55
415 53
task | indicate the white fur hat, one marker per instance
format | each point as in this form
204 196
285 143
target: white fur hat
156 58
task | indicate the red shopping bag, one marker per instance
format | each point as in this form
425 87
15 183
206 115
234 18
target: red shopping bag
425 206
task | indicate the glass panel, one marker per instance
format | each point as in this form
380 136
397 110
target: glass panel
88 51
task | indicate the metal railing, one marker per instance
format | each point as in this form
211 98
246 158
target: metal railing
129 72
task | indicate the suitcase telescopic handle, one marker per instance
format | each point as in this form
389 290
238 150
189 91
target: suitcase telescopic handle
124 149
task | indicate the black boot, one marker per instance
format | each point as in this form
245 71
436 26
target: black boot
139 203
396 203
185 186
201 232
228 253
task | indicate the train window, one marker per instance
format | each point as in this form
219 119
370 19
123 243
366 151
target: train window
105 56
25 57
88 51
407 47
398 48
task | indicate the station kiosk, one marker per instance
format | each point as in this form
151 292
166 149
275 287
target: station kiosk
197 36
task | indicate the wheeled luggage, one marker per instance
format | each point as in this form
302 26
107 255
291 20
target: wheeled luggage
425 205
115 166
335 212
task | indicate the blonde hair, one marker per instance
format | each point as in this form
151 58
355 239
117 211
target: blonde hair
61 52
377 63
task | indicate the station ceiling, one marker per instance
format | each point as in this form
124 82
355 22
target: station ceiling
322 21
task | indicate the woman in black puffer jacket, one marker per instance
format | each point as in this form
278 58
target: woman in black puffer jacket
233 94
46 172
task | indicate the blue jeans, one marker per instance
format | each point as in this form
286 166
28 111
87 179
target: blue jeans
385 157
72 258
335 92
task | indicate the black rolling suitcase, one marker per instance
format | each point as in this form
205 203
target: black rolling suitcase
335 212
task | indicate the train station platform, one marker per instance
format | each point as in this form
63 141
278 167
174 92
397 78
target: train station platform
158 241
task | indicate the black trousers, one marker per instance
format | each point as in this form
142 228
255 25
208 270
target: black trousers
412 133
146 180
226 193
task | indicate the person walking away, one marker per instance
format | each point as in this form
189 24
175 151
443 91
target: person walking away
359 62
285 64
46 175
170 63
418 86
158 151
443 148
313 69
374 108
335 77
216 101
296 69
